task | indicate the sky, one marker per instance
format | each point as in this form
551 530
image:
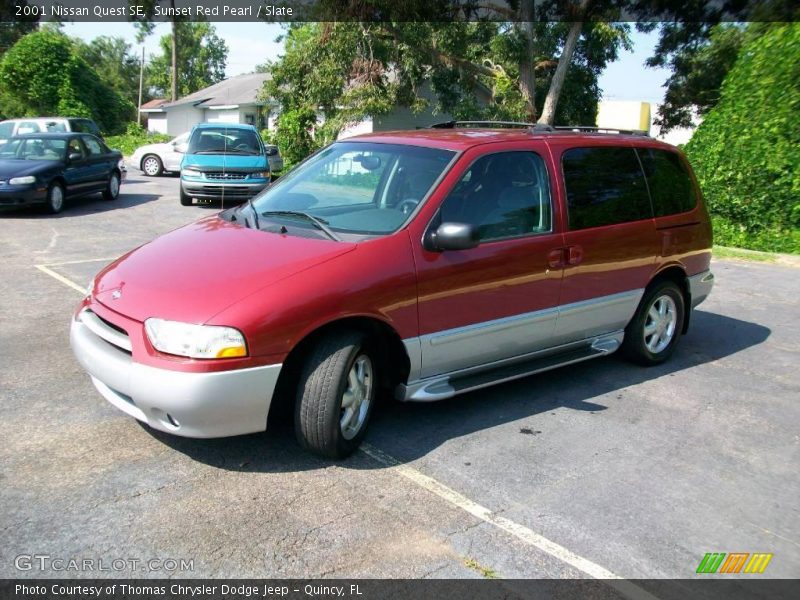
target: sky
250 44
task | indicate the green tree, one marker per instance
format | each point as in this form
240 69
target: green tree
43 74
201 59
117 66
346 71
746 151
12 27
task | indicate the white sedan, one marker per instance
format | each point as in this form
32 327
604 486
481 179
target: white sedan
154 159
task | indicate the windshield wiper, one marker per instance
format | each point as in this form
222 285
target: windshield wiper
321 224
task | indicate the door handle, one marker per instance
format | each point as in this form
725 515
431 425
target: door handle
555 258
562 257
574 255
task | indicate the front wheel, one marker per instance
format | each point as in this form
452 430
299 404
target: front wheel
152 166
336 394
112 187
652 334
55 198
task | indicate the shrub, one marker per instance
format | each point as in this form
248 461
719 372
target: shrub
746 153
135 135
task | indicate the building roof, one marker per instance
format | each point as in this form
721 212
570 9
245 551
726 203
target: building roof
234 91
154 105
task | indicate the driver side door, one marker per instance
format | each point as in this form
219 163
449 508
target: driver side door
500 299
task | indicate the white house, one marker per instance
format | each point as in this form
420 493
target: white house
233 100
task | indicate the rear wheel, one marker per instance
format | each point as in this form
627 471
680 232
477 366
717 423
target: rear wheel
55 198
336 395
185 200
652 334
112 187
152 166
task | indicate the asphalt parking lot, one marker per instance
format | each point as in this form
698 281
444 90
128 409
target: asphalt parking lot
599 469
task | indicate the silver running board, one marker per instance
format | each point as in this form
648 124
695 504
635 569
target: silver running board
441 387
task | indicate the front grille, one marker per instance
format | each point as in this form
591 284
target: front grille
225 175
227 190
107 331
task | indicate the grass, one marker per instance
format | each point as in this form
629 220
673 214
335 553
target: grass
485 572
742 254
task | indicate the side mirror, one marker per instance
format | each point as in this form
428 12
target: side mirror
271 151
182 147
75 156
452 236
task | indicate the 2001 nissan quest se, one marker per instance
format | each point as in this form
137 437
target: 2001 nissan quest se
428 263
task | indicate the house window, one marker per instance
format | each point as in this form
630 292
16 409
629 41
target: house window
250 119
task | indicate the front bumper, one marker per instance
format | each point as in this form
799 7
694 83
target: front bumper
216 190
700 286
198 405
22 195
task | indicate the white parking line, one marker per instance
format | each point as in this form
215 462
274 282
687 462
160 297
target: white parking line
84 260
62 279
528 536
521 532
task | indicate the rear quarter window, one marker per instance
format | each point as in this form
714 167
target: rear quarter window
605 186
669 181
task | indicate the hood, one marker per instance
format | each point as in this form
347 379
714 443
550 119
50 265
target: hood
19 168
151 148
230 161
194 272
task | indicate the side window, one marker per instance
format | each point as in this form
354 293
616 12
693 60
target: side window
27 127
55 127
670 184
75 147
504 195
605 185
93 146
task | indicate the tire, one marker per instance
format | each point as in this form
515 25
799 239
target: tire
185 200
55 198
341 369
112 187
152 166
652 334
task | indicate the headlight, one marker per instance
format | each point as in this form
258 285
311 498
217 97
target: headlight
22 180
260 174
195 341
191 170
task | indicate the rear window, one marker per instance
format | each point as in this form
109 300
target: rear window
605 186
670 184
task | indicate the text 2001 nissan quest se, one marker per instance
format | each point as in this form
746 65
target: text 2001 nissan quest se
428 263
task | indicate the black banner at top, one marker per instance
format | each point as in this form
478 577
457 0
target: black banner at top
398 10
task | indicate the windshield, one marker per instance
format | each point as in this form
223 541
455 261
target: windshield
33 148
224 140
358 187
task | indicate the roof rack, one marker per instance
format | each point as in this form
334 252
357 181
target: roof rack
532 127
537 127
454 124
586 129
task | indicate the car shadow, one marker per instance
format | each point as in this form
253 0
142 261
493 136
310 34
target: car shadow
409 430
75 207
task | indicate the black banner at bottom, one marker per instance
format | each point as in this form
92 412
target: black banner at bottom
401 589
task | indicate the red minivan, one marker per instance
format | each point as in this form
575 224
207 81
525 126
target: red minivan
427 263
